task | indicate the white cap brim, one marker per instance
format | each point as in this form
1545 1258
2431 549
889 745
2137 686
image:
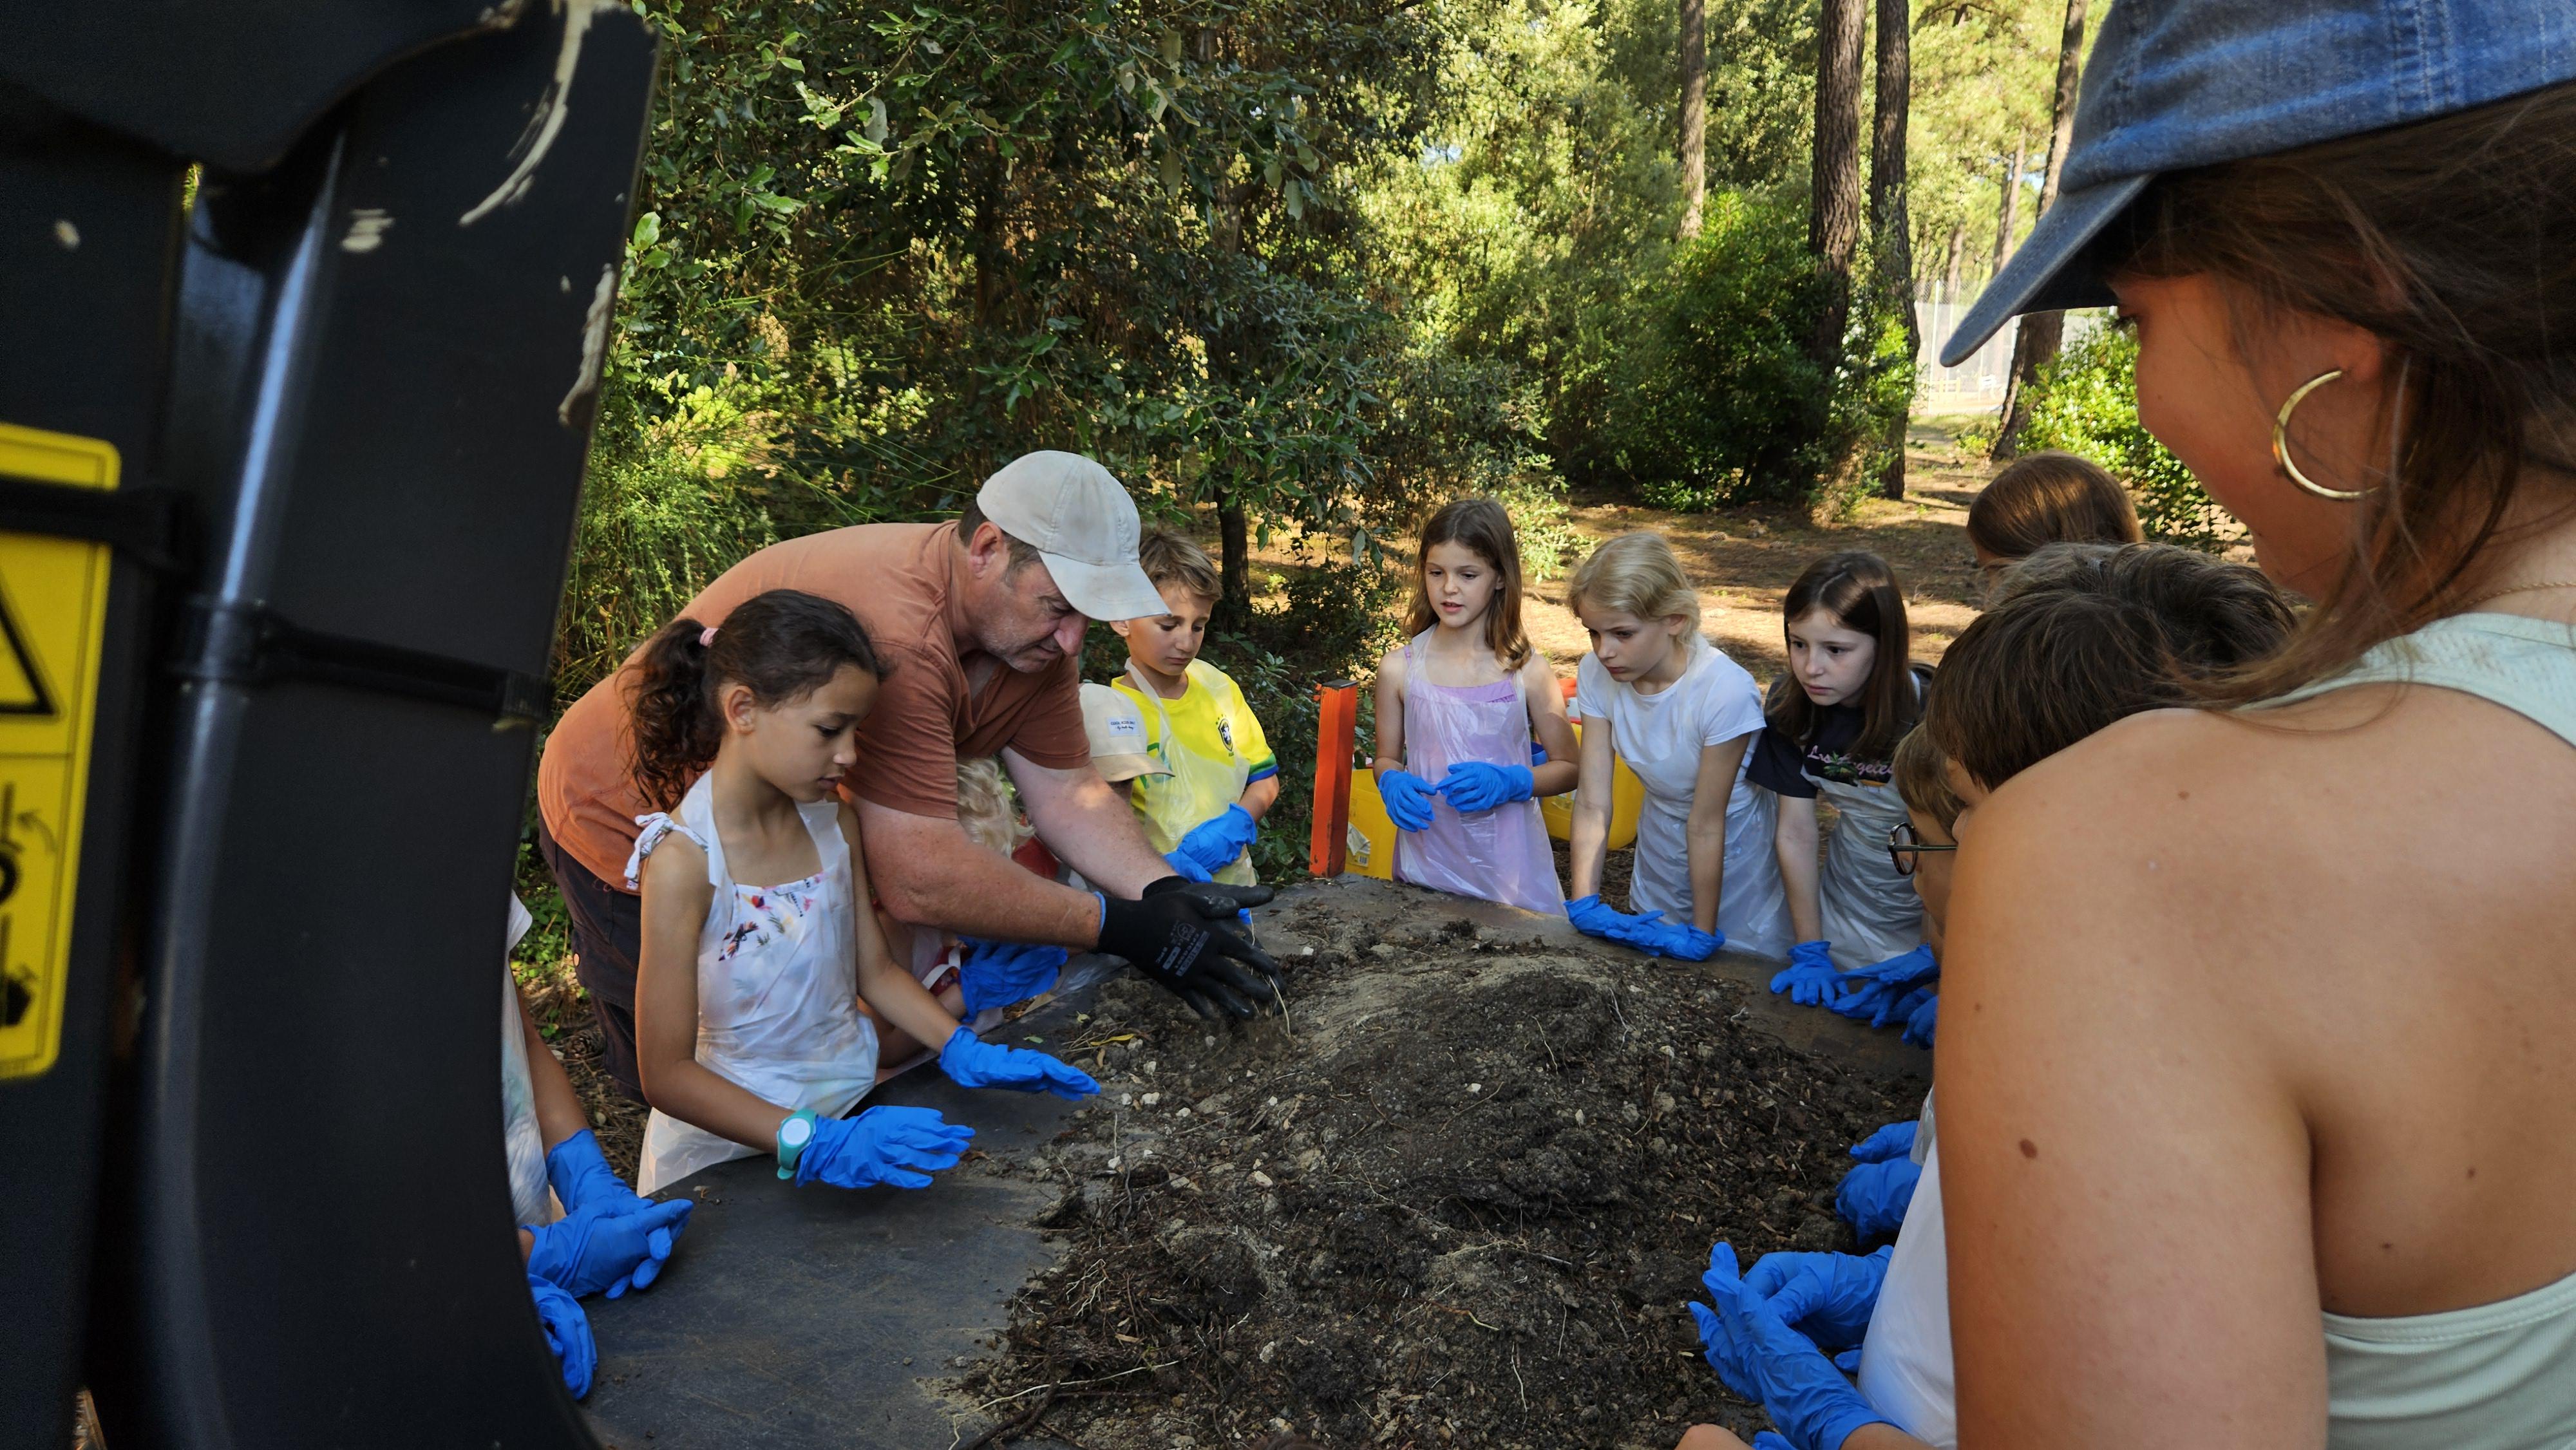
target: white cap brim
1106 591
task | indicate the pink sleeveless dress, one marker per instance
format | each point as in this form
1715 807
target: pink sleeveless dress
1502 854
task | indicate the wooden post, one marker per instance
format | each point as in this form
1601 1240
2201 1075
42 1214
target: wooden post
1335 732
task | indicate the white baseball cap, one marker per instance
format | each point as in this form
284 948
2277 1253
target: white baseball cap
1115 725
1083 525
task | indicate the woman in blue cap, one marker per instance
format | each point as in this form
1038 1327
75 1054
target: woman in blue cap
2257 1115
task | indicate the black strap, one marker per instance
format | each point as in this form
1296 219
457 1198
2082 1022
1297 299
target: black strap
154 526
250 644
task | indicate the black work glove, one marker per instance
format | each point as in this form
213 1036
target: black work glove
1181 934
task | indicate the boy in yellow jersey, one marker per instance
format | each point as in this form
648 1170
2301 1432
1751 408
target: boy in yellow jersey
1220 775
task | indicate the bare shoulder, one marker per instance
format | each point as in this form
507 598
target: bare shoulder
1538 681
676 872
1390 670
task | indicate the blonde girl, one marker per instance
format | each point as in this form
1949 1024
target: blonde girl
1657 695
1457 709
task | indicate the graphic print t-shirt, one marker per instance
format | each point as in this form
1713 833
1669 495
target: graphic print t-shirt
1791 769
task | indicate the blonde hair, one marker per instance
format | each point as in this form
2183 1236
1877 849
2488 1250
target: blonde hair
986 806
1636 574
1171 559
1923 780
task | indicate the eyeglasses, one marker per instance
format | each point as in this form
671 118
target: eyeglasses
1902 846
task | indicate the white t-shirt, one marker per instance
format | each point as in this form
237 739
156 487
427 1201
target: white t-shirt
1906 1371
1661 736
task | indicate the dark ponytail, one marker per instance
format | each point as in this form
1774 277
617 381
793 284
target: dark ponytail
783 644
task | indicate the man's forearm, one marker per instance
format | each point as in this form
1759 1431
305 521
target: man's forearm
930 877
1089 827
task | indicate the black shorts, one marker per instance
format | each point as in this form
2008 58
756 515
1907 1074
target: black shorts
607 941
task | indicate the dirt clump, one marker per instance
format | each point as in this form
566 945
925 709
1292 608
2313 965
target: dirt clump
1459 1195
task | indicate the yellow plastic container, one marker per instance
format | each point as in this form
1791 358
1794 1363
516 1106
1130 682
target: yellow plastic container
1627 799
1370 842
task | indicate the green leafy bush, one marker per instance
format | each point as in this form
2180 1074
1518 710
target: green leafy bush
1717 401
2086 401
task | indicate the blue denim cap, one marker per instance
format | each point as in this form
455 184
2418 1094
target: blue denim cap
2174 84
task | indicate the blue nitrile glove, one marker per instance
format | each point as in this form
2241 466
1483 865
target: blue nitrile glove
1215 842
1188 869
1477 785
1826 1297
580 1176
999 973
972 1062
1872 992
1896 1140
604 1247
1718 1340
1920 1021
567 1334
1592 918
1538 753
1772 1440
901 1146
1873 1196
1762 1359
1408 799
1810 975
1685 941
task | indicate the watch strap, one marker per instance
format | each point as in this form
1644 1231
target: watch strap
795 1135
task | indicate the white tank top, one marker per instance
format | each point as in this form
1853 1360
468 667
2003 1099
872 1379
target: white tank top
2498 1376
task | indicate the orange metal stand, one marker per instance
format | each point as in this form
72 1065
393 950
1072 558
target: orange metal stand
1335 733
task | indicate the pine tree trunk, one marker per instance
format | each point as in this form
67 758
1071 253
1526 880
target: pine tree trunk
1694 149
1950 266
1833 219
1888 222
1234 559
2042 332
2009 213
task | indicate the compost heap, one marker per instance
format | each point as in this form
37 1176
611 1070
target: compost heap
1460 1194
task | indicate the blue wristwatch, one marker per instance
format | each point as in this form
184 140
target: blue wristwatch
793 1135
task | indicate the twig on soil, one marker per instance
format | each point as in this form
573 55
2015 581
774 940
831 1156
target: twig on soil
1517 1380
987 1406
1014 1428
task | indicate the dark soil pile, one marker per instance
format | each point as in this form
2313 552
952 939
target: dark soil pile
1460 1196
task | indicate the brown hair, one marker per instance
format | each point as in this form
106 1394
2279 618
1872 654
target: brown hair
2051 498
2446 239
783 644
1860 592
1923 779
1480 526
2085 635
1171 559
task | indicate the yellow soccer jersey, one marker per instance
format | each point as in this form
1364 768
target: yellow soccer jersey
1211 744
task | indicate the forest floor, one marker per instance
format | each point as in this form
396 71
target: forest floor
1746 558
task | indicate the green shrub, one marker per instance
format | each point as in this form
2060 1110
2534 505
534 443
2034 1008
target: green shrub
2086 401
1718 402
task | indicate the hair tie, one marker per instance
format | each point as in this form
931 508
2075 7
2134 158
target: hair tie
707 637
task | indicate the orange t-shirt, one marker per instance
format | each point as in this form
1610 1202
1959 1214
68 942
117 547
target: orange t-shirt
894 577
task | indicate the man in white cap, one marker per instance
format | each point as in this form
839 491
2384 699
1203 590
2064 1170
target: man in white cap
981 621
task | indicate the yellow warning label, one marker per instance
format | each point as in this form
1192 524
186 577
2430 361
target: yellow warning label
53 614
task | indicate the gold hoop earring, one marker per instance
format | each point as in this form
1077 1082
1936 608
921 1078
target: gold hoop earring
2281 442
